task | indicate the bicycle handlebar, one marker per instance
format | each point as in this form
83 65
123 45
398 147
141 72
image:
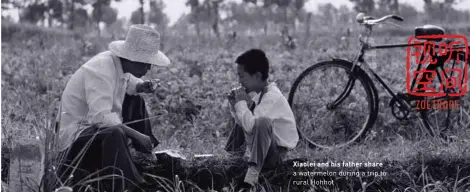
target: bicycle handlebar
361 18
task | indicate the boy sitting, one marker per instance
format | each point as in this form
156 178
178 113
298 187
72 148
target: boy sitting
262 120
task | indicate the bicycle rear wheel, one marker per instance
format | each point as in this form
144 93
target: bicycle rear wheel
442 116
328 115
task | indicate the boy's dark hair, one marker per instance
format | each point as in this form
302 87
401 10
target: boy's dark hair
254 60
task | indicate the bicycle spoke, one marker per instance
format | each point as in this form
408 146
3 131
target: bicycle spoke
327 113
324 101
352 110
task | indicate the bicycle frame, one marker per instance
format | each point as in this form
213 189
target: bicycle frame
440 61
360 60
365 46
403 104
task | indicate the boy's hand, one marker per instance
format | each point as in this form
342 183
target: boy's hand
240 95
231 101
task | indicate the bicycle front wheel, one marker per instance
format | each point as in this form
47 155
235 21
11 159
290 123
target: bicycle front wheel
332 106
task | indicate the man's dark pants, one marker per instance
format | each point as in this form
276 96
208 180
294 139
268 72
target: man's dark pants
108 150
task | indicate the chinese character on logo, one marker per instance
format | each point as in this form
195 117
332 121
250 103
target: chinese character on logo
424 80
442 65
452 82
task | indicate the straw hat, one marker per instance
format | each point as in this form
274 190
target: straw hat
142 44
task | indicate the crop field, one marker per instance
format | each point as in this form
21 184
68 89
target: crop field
191 118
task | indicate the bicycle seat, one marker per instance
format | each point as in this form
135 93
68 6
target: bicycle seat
429 30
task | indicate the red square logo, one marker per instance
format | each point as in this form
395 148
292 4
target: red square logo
453 76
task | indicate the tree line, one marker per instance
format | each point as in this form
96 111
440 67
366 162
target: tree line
73 14
209 15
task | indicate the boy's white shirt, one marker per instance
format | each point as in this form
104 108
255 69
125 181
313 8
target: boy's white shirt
273 106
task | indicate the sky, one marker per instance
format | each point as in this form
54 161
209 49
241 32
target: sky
174 8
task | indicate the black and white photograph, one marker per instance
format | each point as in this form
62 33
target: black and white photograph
235 96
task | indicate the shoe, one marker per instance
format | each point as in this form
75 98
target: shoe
257 188
64 189
143 186
245 187
251 176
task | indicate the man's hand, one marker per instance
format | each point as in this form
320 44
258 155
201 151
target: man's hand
144 87
142 143
149 86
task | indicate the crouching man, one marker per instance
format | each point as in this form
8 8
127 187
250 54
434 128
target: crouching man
100 97
263 124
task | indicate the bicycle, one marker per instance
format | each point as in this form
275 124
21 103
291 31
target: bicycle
404 106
